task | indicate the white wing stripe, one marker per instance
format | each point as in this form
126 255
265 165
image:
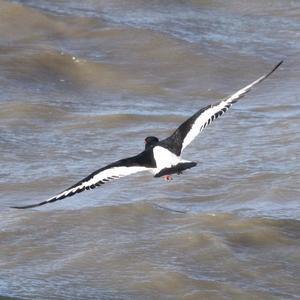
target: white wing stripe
244 90
100 178
203 120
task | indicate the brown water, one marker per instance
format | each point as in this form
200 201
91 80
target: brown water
82 84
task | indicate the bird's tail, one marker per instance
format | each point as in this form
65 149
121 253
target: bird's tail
176 169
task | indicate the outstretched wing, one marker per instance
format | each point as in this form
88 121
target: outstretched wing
121 168
188 130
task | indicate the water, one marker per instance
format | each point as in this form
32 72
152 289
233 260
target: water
83 83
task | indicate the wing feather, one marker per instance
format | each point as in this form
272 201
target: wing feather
112 171
188 130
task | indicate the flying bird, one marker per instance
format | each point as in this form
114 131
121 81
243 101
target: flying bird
161 157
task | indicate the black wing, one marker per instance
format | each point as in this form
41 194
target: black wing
120 168
188 130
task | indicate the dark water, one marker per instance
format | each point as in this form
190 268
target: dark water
82 84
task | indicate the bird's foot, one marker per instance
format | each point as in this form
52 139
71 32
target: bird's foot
168 177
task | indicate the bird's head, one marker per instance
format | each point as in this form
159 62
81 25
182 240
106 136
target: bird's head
150 141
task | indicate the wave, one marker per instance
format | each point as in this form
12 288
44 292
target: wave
21 110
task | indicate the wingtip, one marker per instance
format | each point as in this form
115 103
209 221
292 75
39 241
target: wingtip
19 207
277 65
28 206
273 70
23 207
281 62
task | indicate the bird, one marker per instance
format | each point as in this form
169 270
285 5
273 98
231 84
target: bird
162 158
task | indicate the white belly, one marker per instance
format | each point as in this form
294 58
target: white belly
165 158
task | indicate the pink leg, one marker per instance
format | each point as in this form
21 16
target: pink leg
167 177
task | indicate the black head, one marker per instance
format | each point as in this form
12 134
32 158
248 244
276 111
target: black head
150 141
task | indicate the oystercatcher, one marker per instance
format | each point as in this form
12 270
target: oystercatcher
161 158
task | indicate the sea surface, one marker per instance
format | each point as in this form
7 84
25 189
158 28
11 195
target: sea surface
82 83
